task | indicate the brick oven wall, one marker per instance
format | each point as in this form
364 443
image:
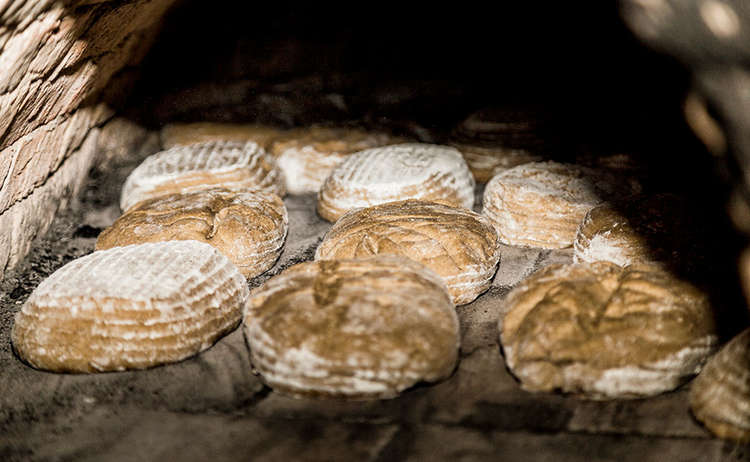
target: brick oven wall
56 58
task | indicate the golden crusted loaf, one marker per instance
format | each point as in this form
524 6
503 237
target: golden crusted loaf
541 204
248 227
720 395
402 171
182 134
486 160
656 229
183 169
352 329
307 155
459 245
130 307
603 331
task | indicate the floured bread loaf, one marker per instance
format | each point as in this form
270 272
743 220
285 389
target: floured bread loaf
182 134
130 308
307 155
720 395
402 171
541 204
183 169
656 229
495 139
352 328
603 331
459 245
248 227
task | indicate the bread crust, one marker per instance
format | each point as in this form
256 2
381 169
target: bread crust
249 228
354 329
227 164
459 245
130 307
398 172
183 134
602 331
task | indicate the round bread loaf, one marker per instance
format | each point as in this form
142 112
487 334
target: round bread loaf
402 171
130 307
249 228
307 155
354 329
656 229
226 164
183 134
459 245
720 395
603 331
541 204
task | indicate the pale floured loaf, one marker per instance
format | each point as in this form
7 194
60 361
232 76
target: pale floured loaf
603 331
353 329
307 155
402 171
248 227
459 245
720 395
182 134
130 307
227 164
656 229
541 204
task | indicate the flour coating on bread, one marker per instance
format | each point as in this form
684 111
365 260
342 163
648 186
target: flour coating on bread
458 244
231 165
130 308
603 331
352 328
248 227
403 171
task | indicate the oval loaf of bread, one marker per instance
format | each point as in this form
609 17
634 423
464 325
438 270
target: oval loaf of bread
226 164
391 173
459 245
353 329
130 307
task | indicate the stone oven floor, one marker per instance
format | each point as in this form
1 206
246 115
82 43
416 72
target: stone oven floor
212 407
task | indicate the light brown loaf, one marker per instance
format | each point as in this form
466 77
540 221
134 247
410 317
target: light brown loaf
183 134
226 164
130 307
249 228
602 331
356 329
459 245
398 172
541 204
308 155
720 395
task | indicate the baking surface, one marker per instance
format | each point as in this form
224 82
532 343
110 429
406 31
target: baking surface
213 407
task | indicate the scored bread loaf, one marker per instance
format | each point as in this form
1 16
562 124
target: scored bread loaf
226 164
353 329
182 134
248 227
459 245
130 307
541 204
603 331
391 173
307 155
